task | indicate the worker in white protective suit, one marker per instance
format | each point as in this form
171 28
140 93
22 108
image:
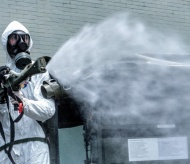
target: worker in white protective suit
25 138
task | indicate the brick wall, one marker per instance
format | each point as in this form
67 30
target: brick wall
52 22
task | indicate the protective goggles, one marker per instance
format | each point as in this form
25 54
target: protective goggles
14 39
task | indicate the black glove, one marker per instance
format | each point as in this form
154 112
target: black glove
2 99
3 71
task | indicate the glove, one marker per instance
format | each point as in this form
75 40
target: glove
2 99
3 71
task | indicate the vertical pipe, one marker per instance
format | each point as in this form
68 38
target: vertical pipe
53 137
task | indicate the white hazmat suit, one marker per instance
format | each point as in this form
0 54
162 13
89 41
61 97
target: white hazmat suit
36 108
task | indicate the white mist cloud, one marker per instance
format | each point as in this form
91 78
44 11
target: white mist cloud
102 66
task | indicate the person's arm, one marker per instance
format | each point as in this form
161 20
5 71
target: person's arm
40 108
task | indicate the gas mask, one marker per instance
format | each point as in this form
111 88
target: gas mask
17 45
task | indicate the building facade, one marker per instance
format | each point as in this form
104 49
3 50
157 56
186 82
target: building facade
53 22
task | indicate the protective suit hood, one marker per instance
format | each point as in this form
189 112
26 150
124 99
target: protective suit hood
13 26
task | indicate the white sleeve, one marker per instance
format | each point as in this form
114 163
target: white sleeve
39 108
